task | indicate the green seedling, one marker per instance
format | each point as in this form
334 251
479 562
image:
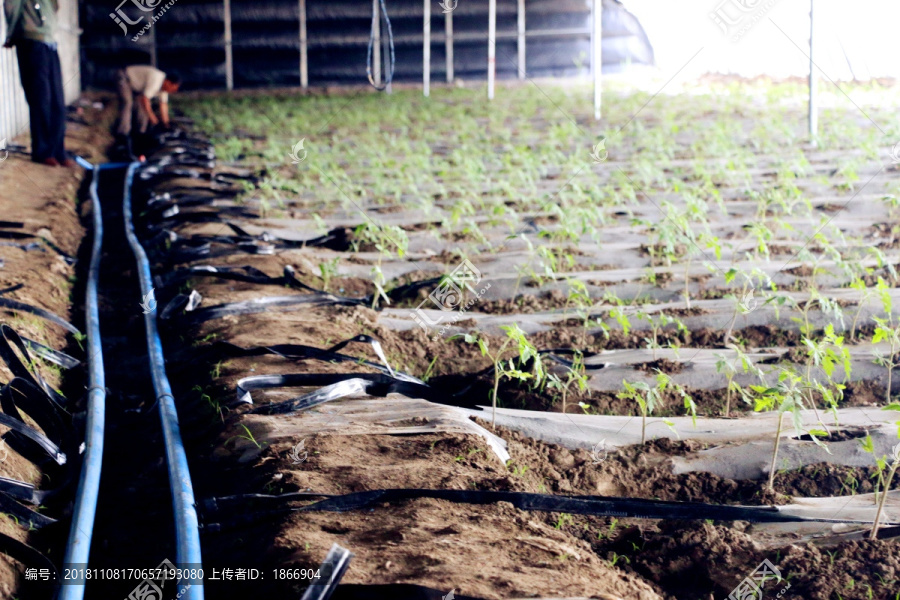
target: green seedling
886 486
786 397
245 436
882 466
650 398
581 299
827 353
525 352
859 285
387 240
886 330
740 362
658 321
328 271
574 376
563 520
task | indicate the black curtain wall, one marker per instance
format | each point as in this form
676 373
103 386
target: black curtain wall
188 37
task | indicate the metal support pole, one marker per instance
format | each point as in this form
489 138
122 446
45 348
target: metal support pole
376 43
597 56
229 56
304 64
426 49
448 44
813 85
521 32
153 61
492 49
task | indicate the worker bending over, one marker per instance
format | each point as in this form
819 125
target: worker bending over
139 84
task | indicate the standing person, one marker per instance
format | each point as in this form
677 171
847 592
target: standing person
144 83
31 25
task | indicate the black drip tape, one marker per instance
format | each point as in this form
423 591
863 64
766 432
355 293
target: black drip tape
40 312
228 512
47 447
32 558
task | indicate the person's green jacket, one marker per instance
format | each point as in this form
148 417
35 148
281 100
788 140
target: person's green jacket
30 20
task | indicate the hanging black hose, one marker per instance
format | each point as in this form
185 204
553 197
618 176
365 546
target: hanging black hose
389 73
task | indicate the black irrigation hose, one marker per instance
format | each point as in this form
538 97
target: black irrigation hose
9 338
12 288
40 312
389 74
52 355
331 385
27 555
336 563
52 444
264 304
218 514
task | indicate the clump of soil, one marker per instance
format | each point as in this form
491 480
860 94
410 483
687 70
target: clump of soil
863 393
688 560
658 251
801 271
824 479
525 304
694 311
640 471
669 367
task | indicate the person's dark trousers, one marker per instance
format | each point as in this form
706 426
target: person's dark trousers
42 80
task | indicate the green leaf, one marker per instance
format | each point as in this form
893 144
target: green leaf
868 445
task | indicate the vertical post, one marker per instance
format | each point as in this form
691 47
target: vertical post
597 56
521 41
448 44
304 64
426 49
376 43
492 49
229 56
153 61
813 105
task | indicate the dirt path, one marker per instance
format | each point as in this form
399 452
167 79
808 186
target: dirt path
42 236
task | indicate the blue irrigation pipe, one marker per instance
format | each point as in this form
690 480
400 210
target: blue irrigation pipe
187 532
79 543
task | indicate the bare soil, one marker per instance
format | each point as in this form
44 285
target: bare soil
45 200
